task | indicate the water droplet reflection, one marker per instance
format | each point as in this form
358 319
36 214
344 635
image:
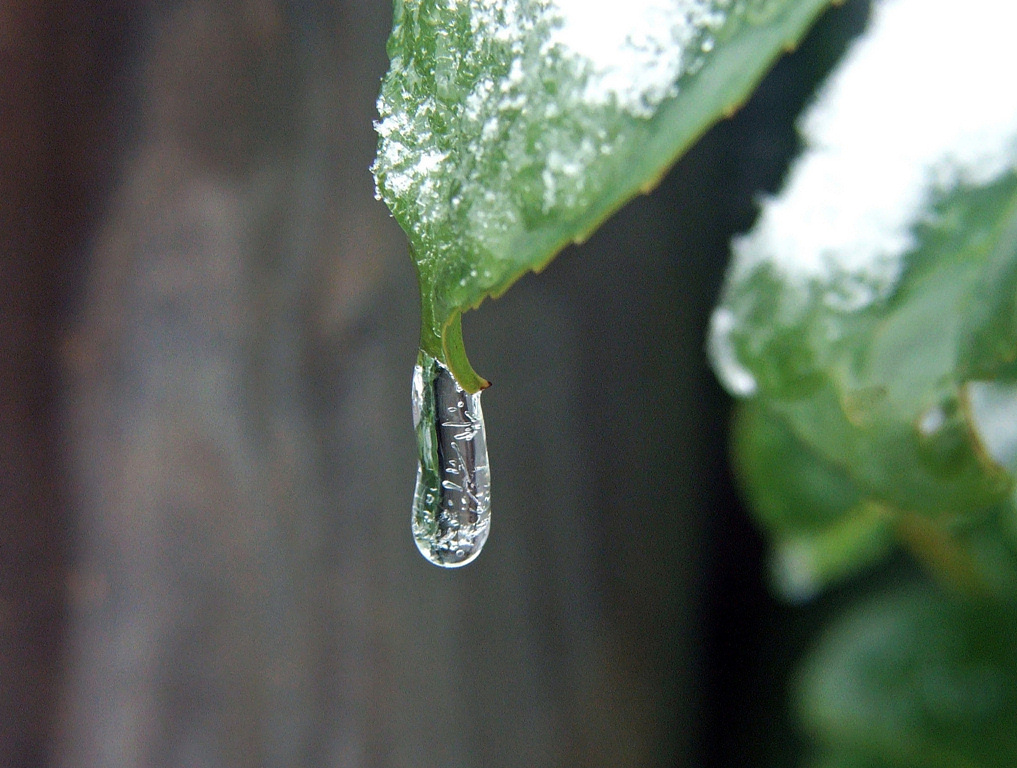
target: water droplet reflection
452 501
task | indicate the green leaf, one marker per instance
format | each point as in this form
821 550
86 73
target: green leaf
915 679
881 395
872 409
823 528
792 488
870 313
845 759
510 129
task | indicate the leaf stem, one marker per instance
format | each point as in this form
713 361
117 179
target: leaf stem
455 356
443 340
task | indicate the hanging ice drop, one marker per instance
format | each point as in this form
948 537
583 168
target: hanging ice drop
452 501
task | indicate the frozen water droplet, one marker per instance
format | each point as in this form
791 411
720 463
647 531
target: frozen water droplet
452 501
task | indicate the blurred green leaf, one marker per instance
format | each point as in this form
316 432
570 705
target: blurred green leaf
510 129
870 315
875 405
915 679
845 759
823 528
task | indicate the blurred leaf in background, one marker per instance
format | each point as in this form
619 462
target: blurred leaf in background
867 325
865 317
913 678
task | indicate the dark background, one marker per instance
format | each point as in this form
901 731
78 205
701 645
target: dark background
207 329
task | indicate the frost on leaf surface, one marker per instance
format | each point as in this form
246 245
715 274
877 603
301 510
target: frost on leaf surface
510 127
495 112
872 302
923 103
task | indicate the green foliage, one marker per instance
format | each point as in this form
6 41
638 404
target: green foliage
879 406
500 145
914 678
863 417
823 526
874 411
